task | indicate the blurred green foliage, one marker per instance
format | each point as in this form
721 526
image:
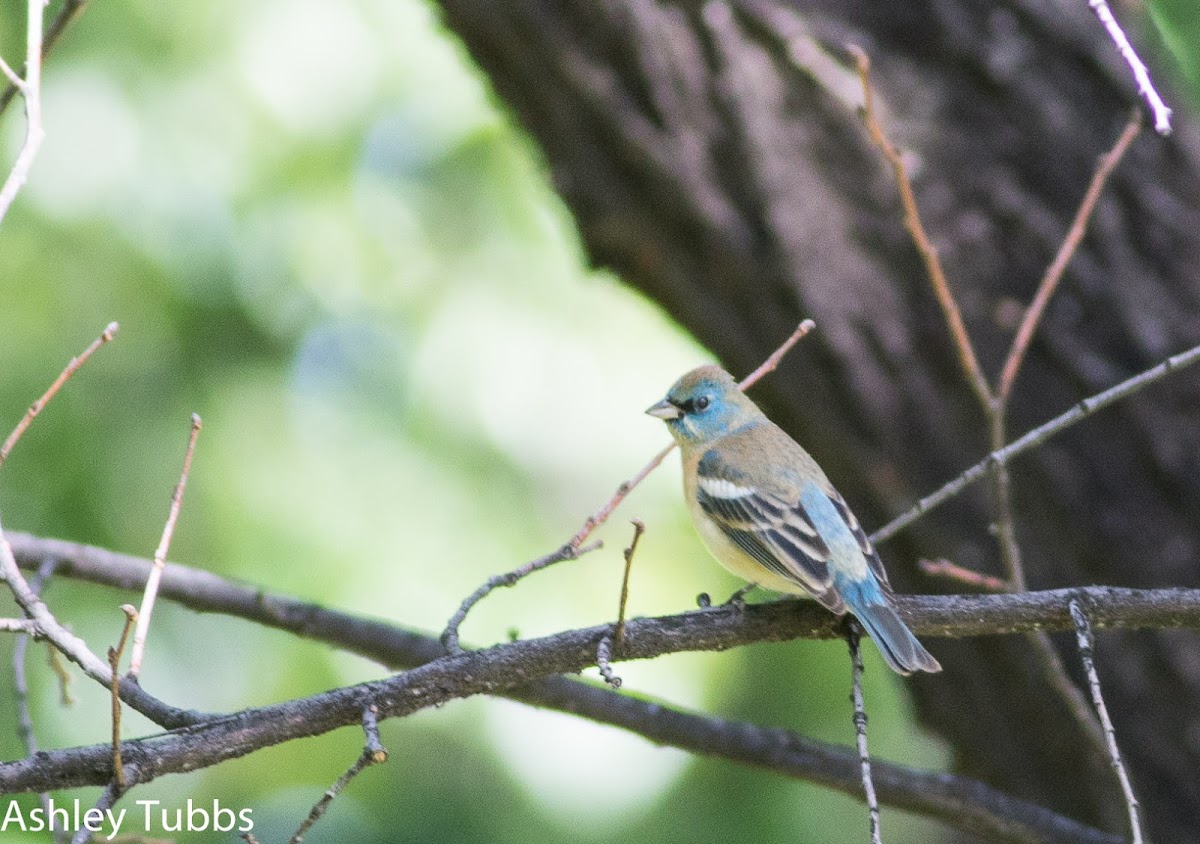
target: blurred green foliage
1177 23
319 232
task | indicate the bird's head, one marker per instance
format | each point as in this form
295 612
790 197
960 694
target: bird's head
704 405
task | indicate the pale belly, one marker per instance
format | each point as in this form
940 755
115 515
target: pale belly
734 559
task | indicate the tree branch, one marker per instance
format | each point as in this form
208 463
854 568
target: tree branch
46 626
515 669
961 802
1036 437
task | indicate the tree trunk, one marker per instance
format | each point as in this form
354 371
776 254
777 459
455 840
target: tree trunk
713 156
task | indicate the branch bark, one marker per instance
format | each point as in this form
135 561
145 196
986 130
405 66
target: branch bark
524 671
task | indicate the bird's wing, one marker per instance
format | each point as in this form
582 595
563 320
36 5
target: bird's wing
774 531
864 544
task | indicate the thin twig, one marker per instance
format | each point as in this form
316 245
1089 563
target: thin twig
994 402
601 516
1162 114
1035 438
114 661
912 221
1054 273
76 650
70 644
604 661
18 625
638 529
772 363
1005 524
14 80
63 377
1047 656
54 660
31 93
374 745
160 555
574 547
965 576
1083 635
567 552
69 11
969 361
25 729
20 681
373 753
112 793
853 638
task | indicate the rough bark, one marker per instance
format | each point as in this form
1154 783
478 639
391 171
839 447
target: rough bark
713 157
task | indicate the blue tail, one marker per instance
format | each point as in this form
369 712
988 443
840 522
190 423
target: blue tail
898 646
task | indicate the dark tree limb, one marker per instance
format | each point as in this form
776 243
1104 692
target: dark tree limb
518 670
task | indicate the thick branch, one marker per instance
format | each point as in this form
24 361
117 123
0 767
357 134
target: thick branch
962 802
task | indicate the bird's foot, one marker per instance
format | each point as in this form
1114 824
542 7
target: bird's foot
738 599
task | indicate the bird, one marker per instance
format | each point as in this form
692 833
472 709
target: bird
767 512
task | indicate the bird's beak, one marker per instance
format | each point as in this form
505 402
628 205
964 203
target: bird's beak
664 410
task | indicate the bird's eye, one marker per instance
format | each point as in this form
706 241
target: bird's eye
703 402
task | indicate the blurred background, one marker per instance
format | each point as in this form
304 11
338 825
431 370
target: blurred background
319 232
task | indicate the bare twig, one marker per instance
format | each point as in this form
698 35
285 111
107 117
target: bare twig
14 80
1005 525
373 754
574 547
25 728
567 552
160 556
37 407
1083 635
76 650
601 516
638 529
772 363
373 747
853 637
114 660
1047 656
1054 273
1035 438
1162 114
604 661
965 576
912 221
31 92
604 650
968 360
994 402
112 793
54 660
69 11
74 647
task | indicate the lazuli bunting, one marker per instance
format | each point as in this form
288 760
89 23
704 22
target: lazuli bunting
767 512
